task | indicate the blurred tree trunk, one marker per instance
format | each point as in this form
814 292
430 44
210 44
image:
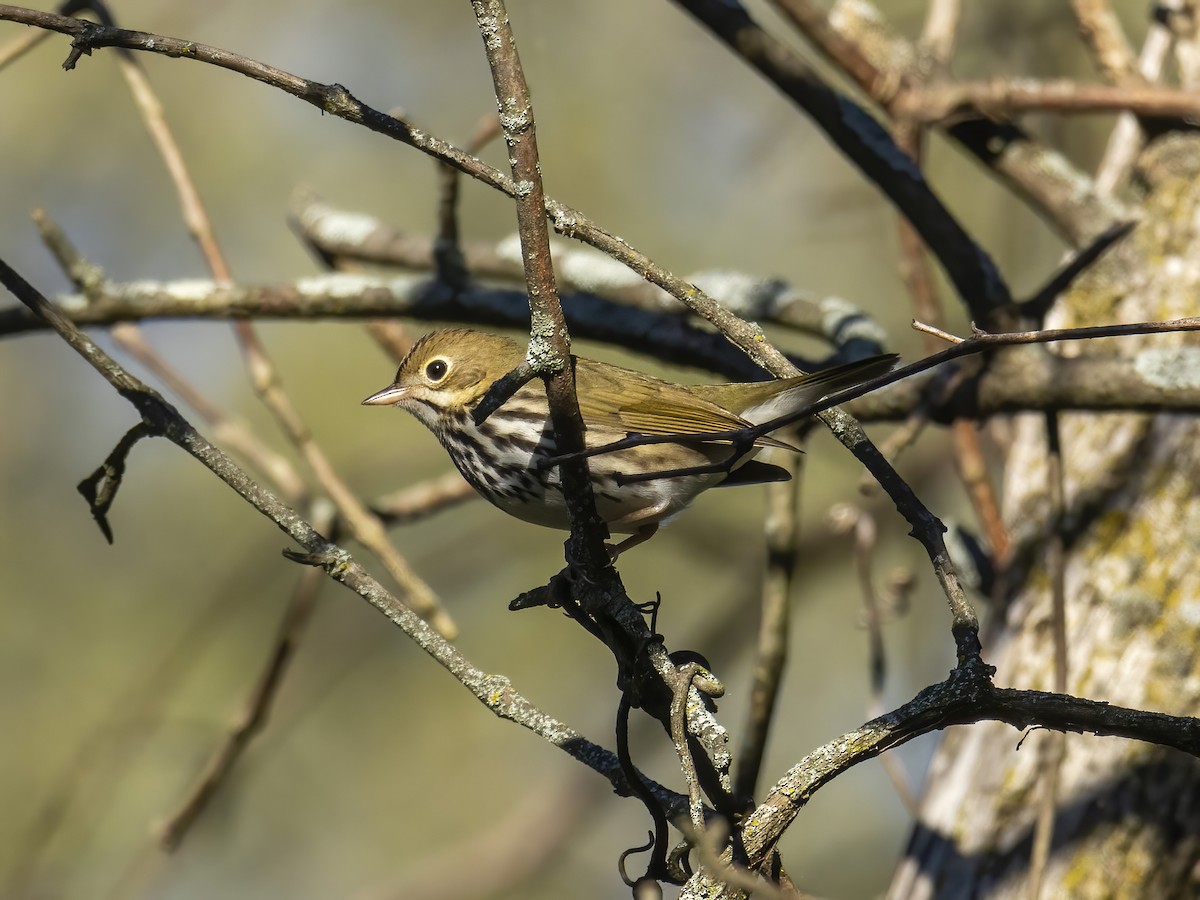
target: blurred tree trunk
1128 814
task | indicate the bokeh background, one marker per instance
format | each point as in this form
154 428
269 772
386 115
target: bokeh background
378 776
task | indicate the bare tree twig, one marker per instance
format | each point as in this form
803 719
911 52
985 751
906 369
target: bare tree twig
263 375
413 503
940 31
848 520
234 434
973 470
1106 39
256 707
549 341
684 683
1126 138
937 103
18 47
447 248
968 453
775 606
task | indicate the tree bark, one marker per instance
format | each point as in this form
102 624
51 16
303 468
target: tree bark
1127 818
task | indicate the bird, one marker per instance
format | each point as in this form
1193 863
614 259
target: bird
447 373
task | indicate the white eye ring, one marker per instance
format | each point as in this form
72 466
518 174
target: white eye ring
436 370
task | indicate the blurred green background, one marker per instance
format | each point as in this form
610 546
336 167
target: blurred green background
378 776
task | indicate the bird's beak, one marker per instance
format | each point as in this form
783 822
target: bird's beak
389 396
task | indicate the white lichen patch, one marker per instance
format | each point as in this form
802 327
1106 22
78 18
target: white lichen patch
591 270
347 227
1169 368
342 285
564 222
509 249
189 290
514 117
742 293
843 320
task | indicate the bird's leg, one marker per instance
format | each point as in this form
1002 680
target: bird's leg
650 515
640 536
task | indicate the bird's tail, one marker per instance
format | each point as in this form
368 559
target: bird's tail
787 395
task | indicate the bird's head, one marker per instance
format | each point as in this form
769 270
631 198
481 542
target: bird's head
447 372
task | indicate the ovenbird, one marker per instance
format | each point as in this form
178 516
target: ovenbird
447 373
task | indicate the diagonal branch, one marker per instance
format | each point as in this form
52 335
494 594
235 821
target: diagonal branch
865 142
335 100
263 374
881 62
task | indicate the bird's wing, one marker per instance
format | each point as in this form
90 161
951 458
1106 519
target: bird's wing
636 403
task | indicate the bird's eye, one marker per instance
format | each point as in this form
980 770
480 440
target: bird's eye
436 370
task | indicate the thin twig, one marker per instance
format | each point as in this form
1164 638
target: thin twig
363 525
1127 138
680 701
447 248
257 706
18 47
940 32
978 342
973 470
936 103
968 453
264 377
783 500
848 520
1105 37
416 502
938 333
235 435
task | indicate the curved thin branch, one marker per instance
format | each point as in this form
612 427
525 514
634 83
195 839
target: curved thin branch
962 699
